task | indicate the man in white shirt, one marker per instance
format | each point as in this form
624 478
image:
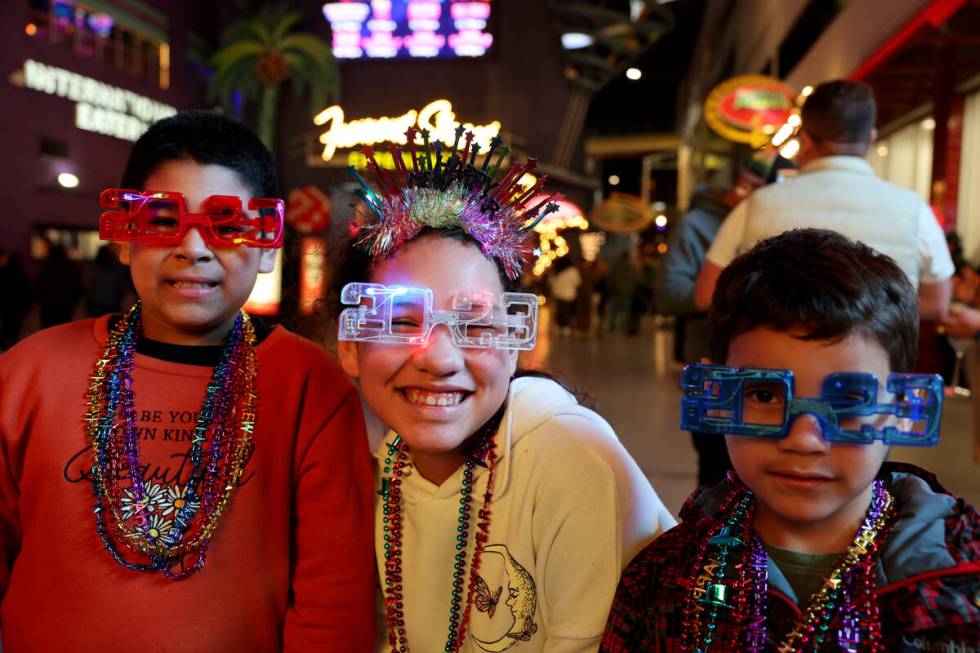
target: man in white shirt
564 285
837 189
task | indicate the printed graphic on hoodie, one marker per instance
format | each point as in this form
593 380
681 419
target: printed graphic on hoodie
520 599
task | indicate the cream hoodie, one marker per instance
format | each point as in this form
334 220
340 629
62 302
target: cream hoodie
570 509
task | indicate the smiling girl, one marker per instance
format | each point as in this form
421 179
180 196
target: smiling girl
507 510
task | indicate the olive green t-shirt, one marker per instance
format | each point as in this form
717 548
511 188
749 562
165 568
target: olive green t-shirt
805 572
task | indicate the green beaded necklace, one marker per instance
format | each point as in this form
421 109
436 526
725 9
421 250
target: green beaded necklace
459 613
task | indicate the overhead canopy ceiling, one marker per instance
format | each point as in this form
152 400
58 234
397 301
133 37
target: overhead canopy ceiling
620 30
924 60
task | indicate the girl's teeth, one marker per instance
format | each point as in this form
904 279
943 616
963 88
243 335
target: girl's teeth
434 398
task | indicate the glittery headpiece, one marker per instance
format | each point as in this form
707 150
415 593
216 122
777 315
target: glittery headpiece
451 193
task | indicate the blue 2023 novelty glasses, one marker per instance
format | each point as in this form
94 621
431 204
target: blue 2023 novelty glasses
762 403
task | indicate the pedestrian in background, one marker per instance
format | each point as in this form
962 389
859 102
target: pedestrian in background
621 285
58 287
591 273
837 189
17 297
108 284
564 285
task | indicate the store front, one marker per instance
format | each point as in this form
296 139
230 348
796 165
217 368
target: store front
925 78
82 81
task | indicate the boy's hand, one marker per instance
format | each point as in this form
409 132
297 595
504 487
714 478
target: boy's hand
962 322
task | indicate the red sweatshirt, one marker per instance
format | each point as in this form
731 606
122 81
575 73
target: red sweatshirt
291 564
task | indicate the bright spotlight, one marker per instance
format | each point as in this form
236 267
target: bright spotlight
614 180
68 180
790 149
576 40
634 73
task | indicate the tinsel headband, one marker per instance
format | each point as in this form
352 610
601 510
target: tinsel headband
449 193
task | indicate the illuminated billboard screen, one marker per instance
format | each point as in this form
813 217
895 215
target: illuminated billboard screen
409 29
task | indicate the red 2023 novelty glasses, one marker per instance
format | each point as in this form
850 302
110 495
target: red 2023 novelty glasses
160 218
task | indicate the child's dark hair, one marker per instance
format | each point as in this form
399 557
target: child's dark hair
205 137
823 284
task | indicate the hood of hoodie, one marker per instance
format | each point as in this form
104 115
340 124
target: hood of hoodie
928 523
531 402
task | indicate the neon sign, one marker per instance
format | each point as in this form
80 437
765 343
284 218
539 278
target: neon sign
749 108
437 117
99 107
386 29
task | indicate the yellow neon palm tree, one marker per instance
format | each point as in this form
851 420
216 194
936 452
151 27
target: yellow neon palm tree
260 53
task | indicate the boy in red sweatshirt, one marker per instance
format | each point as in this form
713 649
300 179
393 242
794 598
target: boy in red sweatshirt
814 543
181 478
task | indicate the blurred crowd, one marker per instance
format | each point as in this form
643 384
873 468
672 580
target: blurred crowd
595 297
60 291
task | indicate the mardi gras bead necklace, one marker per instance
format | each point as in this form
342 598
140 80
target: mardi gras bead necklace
718 577
459 612
730 576
850 588
225 422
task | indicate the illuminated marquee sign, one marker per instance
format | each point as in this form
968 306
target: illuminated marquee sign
437 117
99 107
386 29
749 108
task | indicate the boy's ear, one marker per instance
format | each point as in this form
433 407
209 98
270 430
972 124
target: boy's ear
347 353
267 259
125 253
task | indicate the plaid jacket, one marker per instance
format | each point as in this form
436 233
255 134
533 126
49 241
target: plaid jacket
928 571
